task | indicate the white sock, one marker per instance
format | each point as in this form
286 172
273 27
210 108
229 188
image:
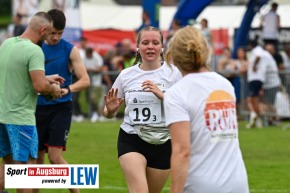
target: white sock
253 114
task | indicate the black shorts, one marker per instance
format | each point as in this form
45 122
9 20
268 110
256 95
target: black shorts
53 125
157 156
254 88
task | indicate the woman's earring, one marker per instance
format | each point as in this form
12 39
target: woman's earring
137 49
162 50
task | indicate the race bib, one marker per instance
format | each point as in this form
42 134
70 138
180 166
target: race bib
144 108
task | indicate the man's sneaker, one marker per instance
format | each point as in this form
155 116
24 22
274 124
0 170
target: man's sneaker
259 123
95 117
103 119
80 118
252 121
274 123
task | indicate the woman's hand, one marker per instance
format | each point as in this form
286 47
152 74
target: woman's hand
149 86
113 103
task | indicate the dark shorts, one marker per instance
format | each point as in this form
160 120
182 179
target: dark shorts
157 156
254 88
53 125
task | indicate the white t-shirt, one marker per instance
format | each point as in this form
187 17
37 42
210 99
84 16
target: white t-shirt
272 78
144 108
95 54
96 61
207 100
260 74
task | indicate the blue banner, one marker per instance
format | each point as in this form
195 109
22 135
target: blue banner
189 10
152 7
241 37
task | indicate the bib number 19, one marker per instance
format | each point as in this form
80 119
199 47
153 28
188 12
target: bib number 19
143 115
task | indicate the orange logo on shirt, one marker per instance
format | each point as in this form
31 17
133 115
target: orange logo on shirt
220 111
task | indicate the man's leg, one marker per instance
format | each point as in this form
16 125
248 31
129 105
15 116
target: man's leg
5 160
30 161
40 160
41 157
253 114
55 156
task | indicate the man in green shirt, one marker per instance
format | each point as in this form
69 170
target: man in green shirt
22 76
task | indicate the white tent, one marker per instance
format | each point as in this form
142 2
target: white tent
101 16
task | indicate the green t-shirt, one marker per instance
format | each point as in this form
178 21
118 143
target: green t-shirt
18 57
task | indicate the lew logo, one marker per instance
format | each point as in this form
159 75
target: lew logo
52 176
84 176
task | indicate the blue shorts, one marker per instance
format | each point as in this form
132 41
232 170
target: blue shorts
18 140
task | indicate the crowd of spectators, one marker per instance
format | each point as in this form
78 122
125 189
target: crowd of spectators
236 70
104 69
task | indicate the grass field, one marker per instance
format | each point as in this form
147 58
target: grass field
266 154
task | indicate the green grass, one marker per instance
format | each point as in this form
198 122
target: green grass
266 154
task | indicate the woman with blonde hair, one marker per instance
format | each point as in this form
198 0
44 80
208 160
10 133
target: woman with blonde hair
200 111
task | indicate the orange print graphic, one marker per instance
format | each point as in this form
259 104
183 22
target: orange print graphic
220 111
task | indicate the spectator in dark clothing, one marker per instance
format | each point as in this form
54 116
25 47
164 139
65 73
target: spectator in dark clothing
18 27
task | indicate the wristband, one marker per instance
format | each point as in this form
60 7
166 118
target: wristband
67 87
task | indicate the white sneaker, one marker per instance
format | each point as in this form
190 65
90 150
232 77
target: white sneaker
74 118
102 118
259 123
252 121
79 118
95 117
